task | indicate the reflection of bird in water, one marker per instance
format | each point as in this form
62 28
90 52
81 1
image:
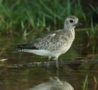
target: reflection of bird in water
55 43
53 84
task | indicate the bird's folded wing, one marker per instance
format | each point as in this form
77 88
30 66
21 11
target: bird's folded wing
51 41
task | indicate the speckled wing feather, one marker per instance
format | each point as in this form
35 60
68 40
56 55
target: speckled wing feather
51 41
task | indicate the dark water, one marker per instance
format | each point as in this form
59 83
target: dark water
12 78
18 73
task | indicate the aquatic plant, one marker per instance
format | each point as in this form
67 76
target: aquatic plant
85 83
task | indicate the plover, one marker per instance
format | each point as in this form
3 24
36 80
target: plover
54 43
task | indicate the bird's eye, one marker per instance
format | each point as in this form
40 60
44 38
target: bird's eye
71 21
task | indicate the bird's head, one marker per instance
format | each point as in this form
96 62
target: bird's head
71 22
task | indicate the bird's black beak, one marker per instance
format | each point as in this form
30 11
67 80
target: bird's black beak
79 24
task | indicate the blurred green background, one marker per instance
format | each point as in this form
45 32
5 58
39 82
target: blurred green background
18 15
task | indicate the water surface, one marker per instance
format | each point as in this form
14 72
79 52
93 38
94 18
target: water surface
18 73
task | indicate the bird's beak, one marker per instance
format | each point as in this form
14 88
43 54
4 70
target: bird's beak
79 24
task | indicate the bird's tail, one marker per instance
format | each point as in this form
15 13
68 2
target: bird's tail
19 48
25 47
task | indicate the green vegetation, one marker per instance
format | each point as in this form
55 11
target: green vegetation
85 83
92 34
21 15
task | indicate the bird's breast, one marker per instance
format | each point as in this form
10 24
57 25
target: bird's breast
66 46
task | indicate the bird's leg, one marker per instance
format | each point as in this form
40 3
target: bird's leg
57 63
57 73
48 63
48 71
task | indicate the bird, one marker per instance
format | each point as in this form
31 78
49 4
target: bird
54 43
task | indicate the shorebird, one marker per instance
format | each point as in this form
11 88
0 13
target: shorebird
54 43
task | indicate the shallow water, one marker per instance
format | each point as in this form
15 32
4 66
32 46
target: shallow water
18 73
25 78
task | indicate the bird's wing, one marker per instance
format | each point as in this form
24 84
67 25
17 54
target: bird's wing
51 41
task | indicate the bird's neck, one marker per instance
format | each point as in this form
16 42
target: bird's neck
70 29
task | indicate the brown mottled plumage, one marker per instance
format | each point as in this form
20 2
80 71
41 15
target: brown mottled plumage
55 43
